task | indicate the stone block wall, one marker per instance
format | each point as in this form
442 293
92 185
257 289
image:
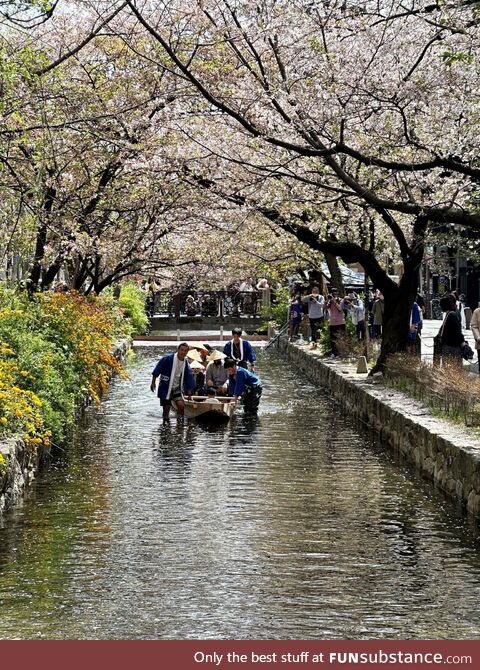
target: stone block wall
447 454
20 468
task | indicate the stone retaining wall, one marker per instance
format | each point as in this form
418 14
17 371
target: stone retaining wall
445 453
21 465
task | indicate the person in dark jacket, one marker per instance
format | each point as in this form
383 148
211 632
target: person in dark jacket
176 380
295 316
242 382
451 330
241 350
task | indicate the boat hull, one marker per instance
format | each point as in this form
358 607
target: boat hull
200 407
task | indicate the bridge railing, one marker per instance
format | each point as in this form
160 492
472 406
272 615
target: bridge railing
221 304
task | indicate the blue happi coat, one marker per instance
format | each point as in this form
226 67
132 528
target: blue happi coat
163 370
244 378
245 347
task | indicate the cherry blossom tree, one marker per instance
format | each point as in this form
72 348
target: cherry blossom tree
371 105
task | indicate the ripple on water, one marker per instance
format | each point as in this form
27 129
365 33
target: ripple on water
296 524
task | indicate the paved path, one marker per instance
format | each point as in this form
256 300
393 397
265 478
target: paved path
430 329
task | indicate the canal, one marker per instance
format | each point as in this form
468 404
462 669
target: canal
297 524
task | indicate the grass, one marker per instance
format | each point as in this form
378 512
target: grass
447 390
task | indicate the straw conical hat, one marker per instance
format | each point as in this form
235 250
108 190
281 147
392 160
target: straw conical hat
195 365
196 345
193 355
216 356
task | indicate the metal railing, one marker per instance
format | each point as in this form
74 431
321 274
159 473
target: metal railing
221 304
277 335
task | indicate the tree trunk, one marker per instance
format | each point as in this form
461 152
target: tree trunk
50 273
336 279
36 269
397 311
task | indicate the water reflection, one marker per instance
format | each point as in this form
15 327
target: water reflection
292 524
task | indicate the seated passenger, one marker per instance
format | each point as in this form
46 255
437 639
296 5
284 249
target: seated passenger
216 374
199 377
211 395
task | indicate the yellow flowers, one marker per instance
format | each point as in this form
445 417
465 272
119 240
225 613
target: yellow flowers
88 330
19 408
66 357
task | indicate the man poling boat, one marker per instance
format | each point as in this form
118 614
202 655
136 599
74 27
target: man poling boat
176 380
240 350
243 383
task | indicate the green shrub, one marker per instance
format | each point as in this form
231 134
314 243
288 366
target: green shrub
54 351
324 337
132 303
52 376
279 311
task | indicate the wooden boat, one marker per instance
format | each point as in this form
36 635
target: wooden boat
206 409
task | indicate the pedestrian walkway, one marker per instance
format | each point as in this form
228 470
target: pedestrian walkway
430 329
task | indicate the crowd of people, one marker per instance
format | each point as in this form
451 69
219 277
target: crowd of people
199 369
314 308
247 298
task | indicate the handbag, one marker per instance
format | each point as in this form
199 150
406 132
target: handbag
467 351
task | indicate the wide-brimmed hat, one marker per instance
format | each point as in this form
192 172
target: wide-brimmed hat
216 355
194 355
195 365
198 345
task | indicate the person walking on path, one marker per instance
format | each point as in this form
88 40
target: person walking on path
450 333
175 380
295 316
336 308
354 304
377 310
414 337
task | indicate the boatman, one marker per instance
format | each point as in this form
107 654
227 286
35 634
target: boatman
176 379
240 350
242 382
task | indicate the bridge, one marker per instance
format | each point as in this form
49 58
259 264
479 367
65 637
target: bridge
210 310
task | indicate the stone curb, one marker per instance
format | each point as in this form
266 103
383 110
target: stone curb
444 453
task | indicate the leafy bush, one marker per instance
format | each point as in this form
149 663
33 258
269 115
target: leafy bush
20 409
132 303
54 350
278 313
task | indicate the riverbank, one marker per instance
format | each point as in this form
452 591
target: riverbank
20 464
58 352
445 453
